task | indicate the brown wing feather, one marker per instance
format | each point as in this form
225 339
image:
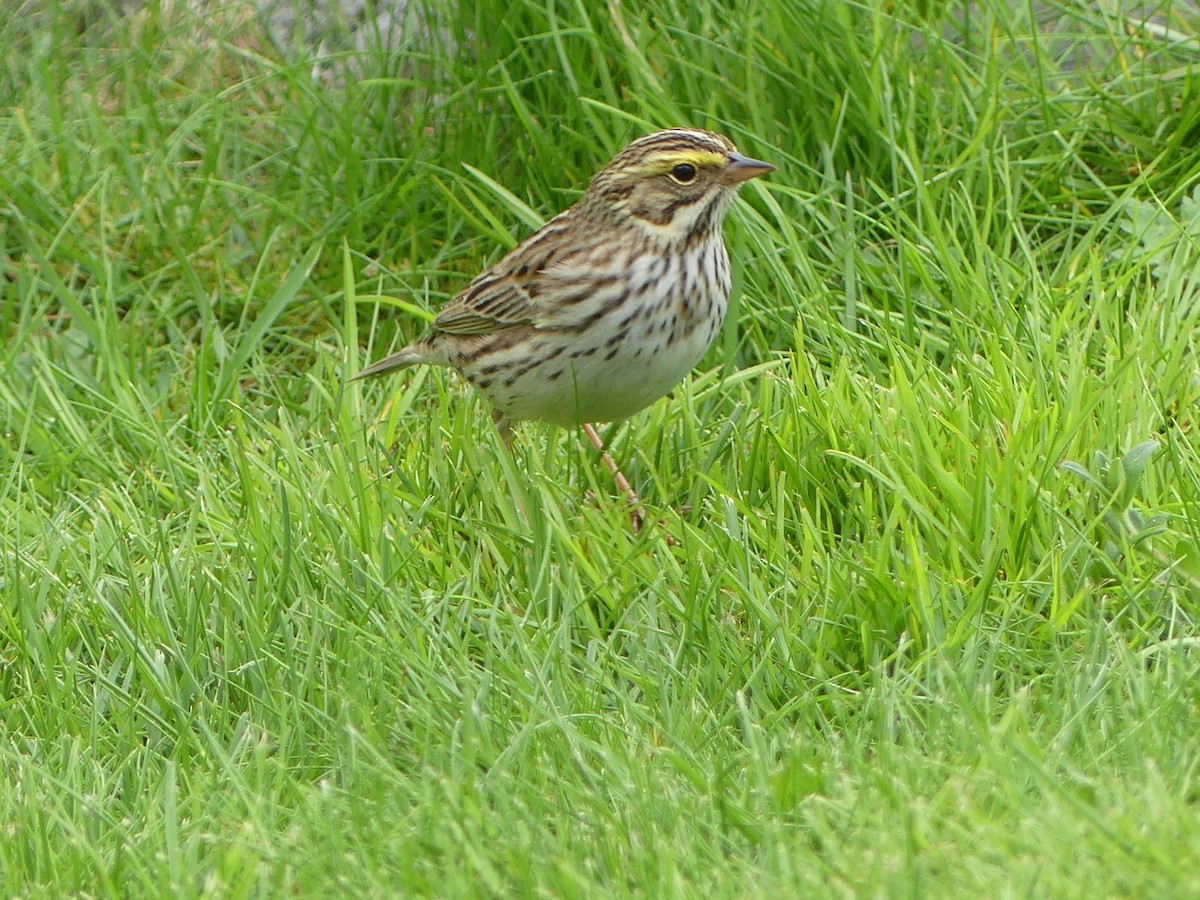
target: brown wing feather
490 303
507 294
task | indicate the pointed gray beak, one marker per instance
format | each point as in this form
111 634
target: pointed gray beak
743 168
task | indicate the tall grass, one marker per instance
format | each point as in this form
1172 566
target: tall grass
927 622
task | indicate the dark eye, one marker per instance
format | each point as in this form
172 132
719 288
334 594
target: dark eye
683 173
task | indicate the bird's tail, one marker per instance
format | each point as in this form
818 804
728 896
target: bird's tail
410 355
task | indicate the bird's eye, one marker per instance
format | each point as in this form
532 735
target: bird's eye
683 173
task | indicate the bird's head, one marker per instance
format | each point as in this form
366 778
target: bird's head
674 183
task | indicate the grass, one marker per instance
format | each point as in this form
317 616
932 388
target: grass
929 625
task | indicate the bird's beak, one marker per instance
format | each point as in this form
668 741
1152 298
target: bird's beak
743 168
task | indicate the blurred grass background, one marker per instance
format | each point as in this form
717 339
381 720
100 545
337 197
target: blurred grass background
929 626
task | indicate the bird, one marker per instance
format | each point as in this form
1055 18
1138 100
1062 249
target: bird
610 304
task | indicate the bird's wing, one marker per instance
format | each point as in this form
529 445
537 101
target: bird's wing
492 302
525 288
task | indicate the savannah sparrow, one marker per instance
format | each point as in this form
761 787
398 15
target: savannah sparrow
611 303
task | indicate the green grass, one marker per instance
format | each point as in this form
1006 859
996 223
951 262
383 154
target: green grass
929 626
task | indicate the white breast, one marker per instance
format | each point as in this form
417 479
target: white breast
634 353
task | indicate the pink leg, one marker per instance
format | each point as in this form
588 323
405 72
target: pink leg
635 504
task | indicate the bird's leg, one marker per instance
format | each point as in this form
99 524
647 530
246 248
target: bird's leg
635 503
504 427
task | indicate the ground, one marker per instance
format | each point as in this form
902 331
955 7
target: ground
926 623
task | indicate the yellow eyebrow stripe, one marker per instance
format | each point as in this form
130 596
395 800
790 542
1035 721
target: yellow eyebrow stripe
666 160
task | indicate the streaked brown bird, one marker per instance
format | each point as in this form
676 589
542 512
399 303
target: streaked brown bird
611 303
